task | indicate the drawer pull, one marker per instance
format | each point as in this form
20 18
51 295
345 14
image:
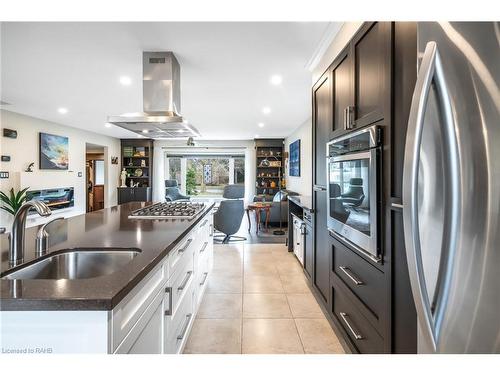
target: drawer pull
211 230
185 281
203 248
344 317
185 327
204 279
168 290
180 251
354 279
204 223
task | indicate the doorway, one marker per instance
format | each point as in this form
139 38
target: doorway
94 176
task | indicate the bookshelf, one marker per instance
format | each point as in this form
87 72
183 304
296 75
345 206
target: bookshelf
270 161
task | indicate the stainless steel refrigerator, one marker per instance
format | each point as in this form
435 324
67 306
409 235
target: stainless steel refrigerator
451 188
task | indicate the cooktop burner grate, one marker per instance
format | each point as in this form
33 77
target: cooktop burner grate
168 210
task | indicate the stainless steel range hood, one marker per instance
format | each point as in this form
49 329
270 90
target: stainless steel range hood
161 95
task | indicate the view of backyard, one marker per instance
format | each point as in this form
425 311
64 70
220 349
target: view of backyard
207 176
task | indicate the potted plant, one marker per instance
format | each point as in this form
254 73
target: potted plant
13 201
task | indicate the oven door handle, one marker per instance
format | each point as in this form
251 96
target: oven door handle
351 156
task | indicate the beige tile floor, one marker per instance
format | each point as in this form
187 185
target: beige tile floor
258 301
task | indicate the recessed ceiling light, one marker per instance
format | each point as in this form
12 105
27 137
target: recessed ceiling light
260 124
108 125
62 110
266 110
125 81
145 131
276 79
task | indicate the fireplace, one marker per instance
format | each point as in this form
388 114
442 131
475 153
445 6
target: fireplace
56 199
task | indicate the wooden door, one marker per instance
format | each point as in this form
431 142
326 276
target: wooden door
321 245
322 126
342 90
371 64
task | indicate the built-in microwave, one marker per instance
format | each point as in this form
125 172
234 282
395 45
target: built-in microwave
353 176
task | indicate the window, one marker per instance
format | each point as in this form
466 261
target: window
174 170
99 172
205 176
239 170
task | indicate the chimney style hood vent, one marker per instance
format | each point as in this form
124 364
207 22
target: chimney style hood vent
161 96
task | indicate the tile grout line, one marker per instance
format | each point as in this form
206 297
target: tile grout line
294 323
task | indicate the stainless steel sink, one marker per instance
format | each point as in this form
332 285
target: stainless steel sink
75 264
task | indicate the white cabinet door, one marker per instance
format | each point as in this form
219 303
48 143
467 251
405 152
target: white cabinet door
146 336
149 340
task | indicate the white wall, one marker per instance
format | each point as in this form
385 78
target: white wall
24 150
345 34
161 147
302 184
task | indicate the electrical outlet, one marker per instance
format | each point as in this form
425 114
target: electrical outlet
4 174
5 158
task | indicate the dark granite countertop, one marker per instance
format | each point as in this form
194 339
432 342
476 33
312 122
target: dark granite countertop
107 228
304 201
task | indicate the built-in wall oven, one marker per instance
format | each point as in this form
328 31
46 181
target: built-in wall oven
353 176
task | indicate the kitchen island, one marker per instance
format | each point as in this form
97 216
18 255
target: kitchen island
147 306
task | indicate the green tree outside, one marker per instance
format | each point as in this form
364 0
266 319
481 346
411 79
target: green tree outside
191 181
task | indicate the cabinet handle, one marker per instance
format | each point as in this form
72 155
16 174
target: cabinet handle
204 223
185 281
168 290
344 317
185 327
345 118
204 279
350 112
354 279
186 246
203 248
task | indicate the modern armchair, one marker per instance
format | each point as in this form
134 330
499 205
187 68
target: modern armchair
355 195
172 192
337 208
228 217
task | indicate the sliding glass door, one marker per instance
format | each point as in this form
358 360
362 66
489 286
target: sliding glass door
205 176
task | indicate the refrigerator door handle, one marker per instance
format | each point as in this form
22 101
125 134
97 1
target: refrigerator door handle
430 71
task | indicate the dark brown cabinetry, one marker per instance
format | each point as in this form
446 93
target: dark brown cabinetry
137 194
371 50
137 161
321 275
342 90
370 82
322 127
269 165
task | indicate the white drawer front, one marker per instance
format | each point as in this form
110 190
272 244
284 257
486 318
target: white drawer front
181 254
178 325
128 311
181 284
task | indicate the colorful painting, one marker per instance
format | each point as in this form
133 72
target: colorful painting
295 158
53 151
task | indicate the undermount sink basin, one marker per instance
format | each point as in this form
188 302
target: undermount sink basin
75 264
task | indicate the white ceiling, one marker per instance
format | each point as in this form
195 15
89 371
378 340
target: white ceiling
225 72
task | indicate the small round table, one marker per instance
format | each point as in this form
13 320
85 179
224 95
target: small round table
257 207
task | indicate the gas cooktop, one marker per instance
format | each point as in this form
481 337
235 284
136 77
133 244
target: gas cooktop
168 210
